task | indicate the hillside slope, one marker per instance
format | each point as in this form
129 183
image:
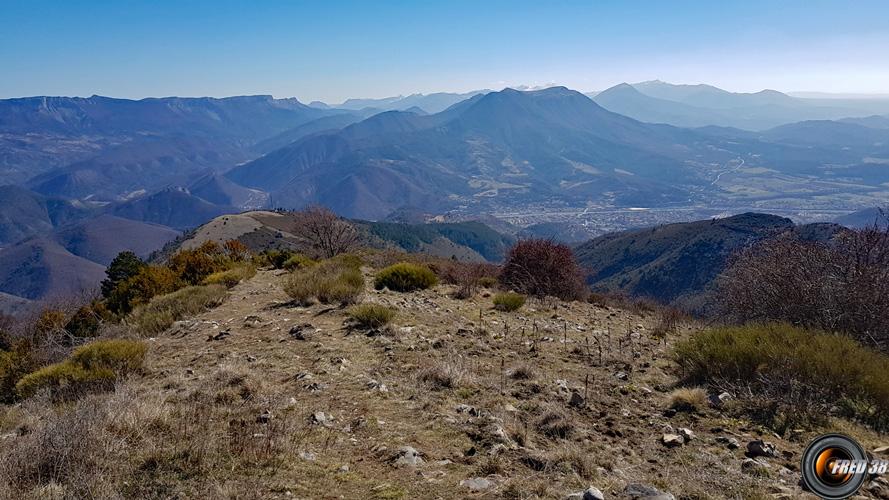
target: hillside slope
40 268
674 263
456 400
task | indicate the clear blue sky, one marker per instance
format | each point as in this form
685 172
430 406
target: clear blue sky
332 50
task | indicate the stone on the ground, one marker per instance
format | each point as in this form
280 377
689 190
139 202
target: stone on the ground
729 442
477 484
718 400
686 434
576 400
672 440
408 456
637 491
321 418
755 467
591 493
760 448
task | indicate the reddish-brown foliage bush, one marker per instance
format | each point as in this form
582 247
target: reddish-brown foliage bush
542 267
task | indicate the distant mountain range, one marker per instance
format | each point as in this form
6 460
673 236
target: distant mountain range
705 105
83 178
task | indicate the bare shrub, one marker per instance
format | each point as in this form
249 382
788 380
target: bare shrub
326 233
541 268
839 286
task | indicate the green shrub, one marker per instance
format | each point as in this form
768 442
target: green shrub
405 277
371 315
124 266
92 366
801 373
231 277
87 320
162 311
329 282
298 261
149 282
193 265
487 282
123 356
14 365
509 301
274 258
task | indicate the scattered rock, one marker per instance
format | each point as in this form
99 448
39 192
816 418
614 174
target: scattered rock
307 456
321 418
882 450
590 493
760 448
477 484
252 321
576 400
408 456
622 376
717 400
636 491
302 332
219 336
344 468
729 442
264 417
376 385
686 434
755 467
672 440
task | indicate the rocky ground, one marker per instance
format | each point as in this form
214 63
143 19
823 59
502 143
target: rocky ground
258 398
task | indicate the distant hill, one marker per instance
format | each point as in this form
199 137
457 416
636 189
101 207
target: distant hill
865 218
218 190
39 268
677 263
429 103
24 213
173 207
510 145
100 145
705 105
100 239
874 121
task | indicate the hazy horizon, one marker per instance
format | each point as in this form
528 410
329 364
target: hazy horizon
335 51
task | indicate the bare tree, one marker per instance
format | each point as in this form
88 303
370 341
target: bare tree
327 234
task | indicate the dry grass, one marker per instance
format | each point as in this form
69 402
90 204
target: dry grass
330 282
691 399
231 277
163 311
371 315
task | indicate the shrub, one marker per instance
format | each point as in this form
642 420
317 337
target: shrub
802 373
841 285
94 365
193 265
232 277
14 364
149 282
487 282
274 258
123 267
328 282
371 315
540 268
161 312
509 301
688 399
236 251
87 320
405 277
50 320
298 261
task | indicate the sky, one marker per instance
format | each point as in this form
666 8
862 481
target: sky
332 50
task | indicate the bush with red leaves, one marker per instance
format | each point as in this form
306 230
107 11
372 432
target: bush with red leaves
542 267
